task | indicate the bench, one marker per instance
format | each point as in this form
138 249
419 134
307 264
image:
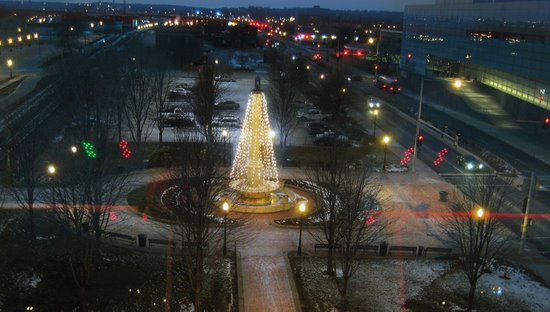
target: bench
325 246
366 247
114 235
439 250
162 242
403 248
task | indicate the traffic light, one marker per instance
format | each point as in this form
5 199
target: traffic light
419 140
546 122
409 56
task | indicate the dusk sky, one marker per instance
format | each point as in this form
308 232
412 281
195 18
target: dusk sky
384 5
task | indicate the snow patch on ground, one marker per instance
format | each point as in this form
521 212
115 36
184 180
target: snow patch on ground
519 293
381 285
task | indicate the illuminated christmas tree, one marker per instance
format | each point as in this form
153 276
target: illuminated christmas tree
254 168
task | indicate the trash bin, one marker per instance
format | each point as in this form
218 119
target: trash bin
142 240
383 249
443 196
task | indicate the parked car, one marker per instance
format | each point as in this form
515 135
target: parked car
313 114
178 120
331 138
317 127
469 162
223 78
226 121
179 93
303 108
227 105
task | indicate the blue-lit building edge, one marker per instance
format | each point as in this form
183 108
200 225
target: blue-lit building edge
520 69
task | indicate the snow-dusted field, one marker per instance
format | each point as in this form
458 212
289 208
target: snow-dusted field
519 293
418 285
379 285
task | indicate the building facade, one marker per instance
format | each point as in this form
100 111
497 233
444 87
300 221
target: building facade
503 44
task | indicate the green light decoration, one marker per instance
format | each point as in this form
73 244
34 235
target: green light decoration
89 149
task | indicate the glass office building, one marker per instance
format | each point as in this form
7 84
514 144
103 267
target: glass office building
499 43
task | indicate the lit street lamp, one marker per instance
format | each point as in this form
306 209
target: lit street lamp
385 140
457 84
375 114
51 171
302 209
480 213
74 149
225 208
10 66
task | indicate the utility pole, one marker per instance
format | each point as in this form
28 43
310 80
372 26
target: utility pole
417 125
524 225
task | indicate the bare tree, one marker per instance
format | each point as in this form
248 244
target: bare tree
283 92
473 227
333 94
162 84
207 92
26 187
192 204
80 90
85 189
329 178
357 224
139 97
84 200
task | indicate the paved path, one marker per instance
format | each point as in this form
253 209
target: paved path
266 284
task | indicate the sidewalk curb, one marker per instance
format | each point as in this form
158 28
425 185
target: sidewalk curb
240 288
290 274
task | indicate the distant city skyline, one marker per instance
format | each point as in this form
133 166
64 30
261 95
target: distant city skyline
388 5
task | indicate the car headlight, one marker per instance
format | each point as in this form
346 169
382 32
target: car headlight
470 166
480 166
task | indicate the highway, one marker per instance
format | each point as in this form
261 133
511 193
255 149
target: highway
397 117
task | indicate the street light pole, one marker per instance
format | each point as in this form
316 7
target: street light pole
375 113
386 140
302 209
225 208
417 125
526 214
224 135
10 66
51 171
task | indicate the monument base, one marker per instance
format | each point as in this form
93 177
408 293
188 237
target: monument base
280 199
